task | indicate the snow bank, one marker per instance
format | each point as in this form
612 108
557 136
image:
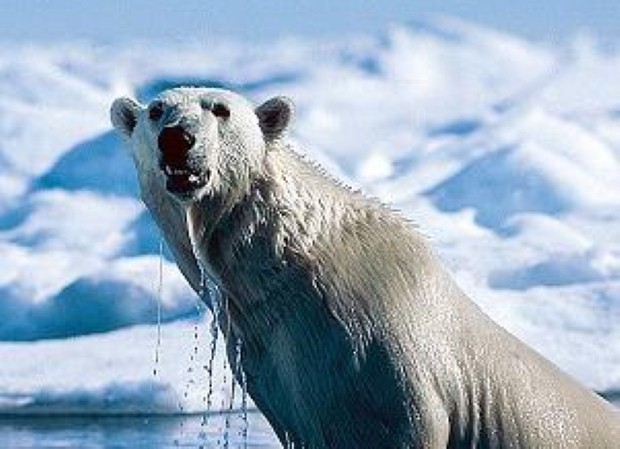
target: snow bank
505 152
116 373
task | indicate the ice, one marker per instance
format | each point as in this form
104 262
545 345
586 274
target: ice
99 301
530 171
107 373
506 153
560 269
90 165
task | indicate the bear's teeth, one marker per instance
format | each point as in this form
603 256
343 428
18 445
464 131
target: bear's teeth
193 178
175 171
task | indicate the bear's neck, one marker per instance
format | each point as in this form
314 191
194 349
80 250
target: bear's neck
274 250
267 242
289 206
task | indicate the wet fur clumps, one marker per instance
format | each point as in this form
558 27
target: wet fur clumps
352 334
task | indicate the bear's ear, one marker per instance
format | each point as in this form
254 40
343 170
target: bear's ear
124 115
274 117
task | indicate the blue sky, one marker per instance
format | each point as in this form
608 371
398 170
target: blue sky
110 20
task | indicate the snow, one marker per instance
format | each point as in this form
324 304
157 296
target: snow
505 152
112 373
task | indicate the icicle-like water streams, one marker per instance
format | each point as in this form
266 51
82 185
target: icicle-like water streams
231 404
209 293
160 287
240 375
210 289
208 398
222 431
244 392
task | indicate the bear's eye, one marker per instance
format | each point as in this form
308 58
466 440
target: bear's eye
156 111
220 110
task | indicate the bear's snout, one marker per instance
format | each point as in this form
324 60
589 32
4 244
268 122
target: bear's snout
174 142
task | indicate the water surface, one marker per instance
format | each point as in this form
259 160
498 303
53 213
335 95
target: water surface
120 432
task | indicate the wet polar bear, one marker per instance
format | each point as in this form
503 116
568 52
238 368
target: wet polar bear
353 336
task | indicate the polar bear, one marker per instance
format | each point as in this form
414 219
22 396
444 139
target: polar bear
353 336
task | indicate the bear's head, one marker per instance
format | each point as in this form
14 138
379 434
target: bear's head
197 142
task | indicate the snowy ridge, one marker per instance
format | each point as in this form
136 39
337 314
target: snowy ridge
506 153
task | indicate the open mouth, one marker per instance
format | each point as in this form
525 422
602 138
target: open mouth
182 180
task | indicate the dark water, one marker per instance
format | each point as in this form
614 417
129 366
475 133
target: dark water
116 432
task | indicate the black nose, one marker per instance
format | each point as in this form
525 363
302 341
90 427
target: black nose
174 142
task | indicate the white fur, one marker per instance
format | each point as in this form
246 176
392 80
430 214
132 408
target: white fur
353 336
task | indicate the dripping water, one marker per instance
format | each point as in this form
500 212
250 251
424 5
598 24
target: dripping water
244 393
208 398
231 405
160 286
201 296
208 293
192 369
287 441
223 403
211 289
